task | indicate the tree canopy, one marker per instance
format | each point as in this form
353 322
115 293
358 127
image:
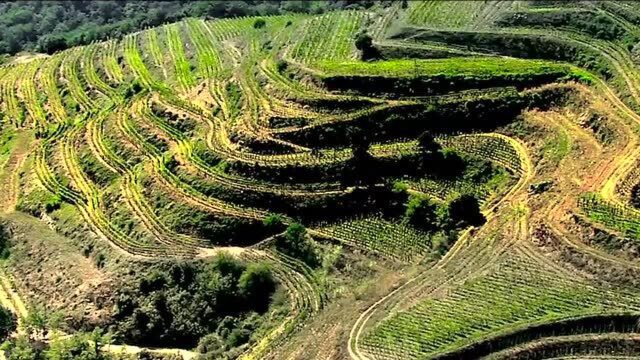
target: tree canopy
50 26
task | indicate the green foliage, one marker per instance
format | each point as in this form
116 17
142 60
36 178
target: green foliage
273 221
282 65
8 321
22 349
52 203
133 88
479 67
400 187
364 43
79 346
52 26
256 284
295 242
40 322
259 23
4 245
465 211
421 213
175 305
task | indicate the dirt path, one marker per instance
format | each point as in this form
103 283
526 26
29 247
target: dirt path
611 165
462 243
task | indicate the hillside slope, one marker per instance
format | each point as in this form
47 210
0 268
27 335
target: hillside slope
250 188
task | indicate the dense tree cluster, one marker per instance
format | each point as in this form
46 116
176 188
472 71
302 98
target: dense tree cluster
49 26
176 305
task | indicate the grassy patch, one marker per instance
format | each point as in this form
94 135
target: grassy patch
459 66
557 147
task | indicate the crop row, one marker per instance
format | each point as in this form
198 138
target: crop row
49 80
391 239
182 67
111 63
209 63
13 111
515 293
618 217
92 77
315 45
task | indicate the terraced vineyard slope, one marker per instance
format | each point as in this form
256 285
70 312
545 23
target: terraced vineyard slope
423 179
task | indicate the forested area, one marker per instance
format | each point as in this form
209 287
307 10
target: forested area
50 26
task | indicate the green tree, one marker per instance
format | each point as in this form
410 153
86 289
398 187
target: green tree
295 243
465 211
421 212
7 321
256 284
427 143
259 23
51 43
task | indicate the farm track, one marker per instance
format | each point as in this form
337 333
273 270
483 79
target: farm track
606 180
420 285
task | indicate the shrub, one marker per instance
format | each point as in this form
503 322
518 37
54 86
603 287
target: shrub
295 243
281 65
176 304
427 143
259 23
8 322
273 222
465 211
53 203
635 196
421 213
257 284
364 43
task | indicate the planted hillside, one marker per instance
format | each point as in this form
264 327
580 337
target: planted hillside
401 180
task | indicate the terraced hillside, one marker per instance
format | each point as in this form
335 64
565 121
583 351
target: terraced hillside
470 190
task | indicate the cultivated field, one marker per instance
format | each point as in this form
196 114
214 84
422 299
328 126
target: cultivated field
181 142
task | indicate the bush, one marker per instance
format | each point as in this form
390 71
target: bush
210 343
421 213
51 43
635 196
53 203
273 222
427 143
176 304
257 284
465 211
8 322
282 65
364 43
294 243
451 163
259 23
